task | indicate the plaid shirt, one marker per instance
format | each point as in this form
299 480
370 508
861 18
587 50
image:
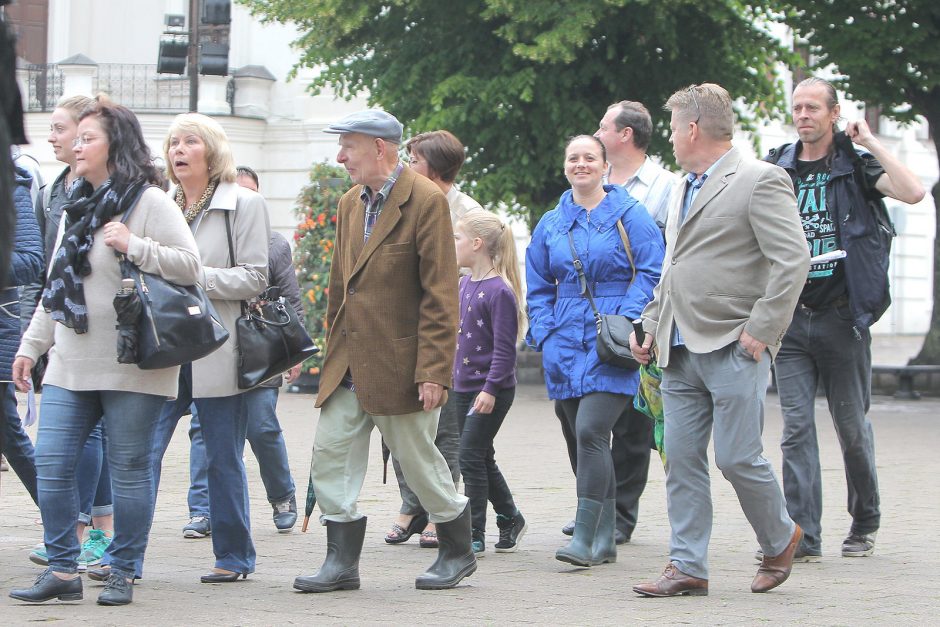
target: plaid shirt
375 202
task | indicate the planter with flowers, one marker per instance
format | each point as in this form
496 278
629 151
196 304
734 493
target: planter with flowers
313 252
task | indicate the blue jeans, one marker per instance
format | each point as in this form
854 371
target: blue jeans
17 447
224 422
822 346
94 477
67 418
267 443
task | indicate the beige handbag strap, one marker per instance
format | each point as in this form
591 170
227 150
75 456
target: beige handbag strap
626 247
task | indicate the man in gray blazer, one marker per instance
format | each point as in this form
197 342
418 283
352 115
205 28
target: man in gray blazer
735 262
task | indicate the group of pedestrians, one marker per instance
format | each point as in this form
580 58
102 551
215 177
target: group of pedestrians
425 312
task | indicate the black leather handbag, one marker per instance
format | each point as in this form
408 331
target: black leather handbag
613 330
270 337
178 323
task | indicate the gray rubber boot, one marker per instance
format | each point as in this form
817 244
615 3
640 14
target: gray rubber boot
340 570
580 550
604 550
455 558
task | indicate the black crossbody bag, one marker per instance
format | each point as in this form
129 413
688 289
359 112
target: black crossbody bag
613 330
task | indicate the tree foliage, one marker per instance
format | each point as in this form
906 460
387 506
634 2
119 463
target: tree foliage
514 78
887 52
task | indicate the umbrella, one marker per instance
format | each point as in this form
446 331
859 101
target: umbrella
386 453
128 308
308 507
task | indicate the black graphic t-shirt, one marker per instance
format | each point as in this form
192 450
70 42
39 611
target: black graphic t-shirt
826 281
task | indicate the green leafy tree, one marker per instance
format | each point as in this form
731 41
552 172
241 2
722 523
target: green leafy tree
514 78
888 52
313 249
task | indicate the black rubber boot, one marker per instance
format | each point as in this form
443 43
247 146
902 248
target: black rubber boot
455 558
340 570
605 547
580 550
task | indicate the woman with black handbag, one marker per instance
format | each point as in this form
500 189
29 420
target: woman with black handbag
199 161
84 381
620 250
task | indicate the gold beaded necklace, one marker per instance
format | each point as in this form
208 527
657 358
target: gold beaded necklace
194 209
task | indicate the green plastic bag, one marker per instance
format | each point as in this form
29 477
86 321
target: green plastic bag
649 401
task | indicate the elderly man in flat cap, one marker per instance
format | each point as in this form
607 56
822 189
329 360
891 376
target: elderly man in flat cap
392 320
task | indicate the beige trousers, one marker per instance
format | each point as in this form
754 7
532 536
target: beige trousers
341 456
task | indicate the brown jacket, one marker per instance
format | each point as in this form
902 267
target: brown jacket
392 312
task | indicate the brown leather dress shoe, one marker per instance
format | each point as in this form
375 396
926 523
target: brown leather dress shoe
774 571
673 583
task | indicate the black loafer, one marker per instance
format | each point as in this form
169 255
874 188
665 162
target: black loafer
215 577
48 586
118 591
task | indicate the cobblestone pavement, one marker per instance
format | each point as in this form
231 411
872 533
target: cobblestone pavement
897 585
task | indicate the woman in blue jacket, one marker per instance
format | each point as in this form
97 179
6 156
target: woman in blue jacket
588 394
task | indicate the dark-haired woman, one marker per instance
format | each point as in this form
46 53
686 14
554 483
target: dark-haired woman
83 381
588 394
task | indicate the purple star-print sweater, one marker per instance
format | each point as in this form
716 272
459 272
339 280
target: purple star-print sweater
486 337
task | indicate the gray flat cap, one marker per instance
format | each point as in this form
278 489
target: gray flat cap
369 122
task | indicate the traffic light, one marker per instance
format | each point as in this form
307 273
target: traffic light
213 59
216 12
172 55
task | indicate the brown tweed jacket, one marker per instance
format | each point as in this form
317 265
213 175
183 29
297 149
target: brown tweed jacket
392 312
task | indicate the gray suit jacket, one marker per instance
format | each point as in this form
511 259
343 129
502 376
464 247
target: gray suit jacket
737 263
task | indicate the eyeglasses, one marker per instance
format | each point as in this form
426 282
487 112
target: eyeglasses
82 141
695 102
414 161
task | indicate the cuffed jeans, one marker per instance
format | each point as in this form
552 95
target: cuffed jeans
67 418
267 443
341 455
482 479
17 447
447 442
94 477
718 394
590 418
822 346
224 421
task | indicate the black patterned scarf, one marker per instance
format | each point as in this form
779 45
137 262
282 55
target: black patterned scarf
64 294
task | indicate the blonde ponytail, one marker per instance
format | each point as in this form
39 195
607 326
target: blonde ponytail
501 246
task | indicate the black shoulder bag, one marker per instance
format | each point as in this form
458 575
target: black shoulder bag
178 323
613 330
271 339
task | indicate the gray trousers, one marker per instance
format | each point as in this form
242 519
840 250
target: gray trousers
719 394
822 346
447 441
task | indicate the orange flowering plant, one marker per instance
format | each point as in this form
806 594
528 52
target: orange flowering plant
313 249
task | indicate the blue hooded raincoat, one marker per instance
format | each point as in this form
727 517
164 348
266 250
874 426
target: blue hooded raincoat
561 322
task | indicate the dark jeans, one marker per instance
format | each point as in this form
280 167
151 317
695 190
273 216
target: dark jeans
482 480
224 423
822 346
67 419
591 418
267 443
16 445
447 441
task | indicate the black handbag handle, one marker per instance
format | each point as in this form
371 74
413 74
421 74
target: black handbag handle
231 256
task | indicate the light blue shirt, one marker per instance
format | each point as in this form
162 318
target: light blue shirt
694 183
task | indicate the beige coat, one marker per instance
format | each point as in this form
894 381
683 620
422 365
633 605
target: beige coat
737 263
216 374
392 312
160 244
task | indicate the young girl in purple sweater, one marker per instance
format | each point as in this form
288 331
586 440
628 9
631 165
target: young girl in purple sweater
491 322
